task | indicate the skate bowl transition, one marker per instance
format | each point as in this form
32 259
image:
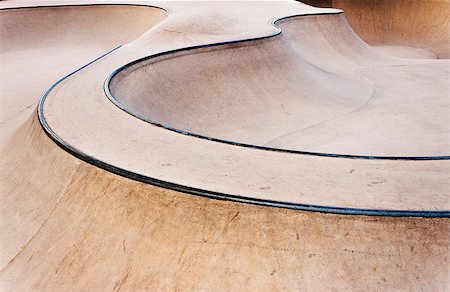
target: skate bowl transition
235 145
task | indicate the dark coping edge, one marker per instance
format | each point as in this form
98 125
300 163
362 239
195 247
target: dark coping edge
165 10
211 194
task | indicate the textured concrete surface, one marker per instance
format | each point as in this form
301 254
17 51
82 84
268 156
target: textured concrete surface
69 224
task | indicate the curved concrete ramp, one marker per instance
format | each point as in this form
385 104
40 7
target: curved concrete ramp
42 44
75 26
404 28
283 93
39 45
96 198
96 230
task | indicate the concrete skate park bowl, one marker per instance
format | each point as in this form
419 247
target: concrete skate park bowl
223 145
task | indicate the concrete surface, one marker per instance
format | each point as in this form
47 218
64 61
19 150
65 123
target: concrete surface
390 100
412 24
74 214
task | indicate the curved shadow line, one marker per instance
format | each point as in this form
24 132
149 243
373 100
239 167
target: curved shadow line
211 194
266 148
